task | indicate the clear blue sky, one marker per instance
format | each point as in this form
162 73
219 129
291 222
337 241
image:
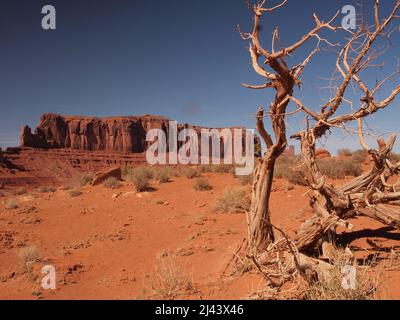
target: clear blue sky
179 58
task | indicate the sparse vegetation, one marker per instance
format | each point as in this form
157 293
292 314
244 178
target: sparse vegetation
85 179
21 191
360 156
246 180
47 189
339 168
394 157
11 204
112 183
163 174
202 184
75 192
191 173
222 168
233 200
170 279
344 153
28 256
330 286
141 180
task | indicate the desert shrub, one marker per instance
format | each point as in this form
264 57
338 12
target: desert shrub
190 172
282 165
163 174
233 200
344 153
205 168
141 180
75 192
46 189
85 179
394 157
112 183
66 186
20 191
222 168
11 204
170 279
296 177
246 180
290 169
202 184
360 156
330 286
339 168
126 171
28 256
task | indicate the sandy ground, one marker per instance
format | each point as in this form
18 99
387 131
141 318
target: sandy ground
105 244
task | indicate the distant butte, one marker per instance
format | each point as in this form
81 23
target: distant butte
113 134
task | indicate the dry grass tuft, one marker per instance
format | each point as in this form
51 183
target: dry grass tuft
233 200
246 180
85 179
76 192
47 190
163 175
330 287
170 279
339 168
202 184
112 183
28 256
20 191
191 173
11 204
141 180
344 153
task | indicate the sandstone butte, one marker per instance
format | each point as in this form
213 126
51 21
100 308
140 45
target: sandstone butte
114 134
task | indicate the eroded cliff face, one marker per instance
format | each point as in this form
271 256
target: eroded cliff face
118 134
115 134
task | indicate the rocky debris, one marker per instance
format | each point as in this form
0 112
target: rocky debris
7 239
101 176
322 154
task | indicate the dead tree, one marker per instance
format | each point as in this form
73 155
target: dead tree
365 195
281 78
373 194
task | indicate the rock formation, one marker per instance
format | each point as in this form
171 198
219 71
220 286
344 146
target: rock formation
115 134
102 176
118 134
